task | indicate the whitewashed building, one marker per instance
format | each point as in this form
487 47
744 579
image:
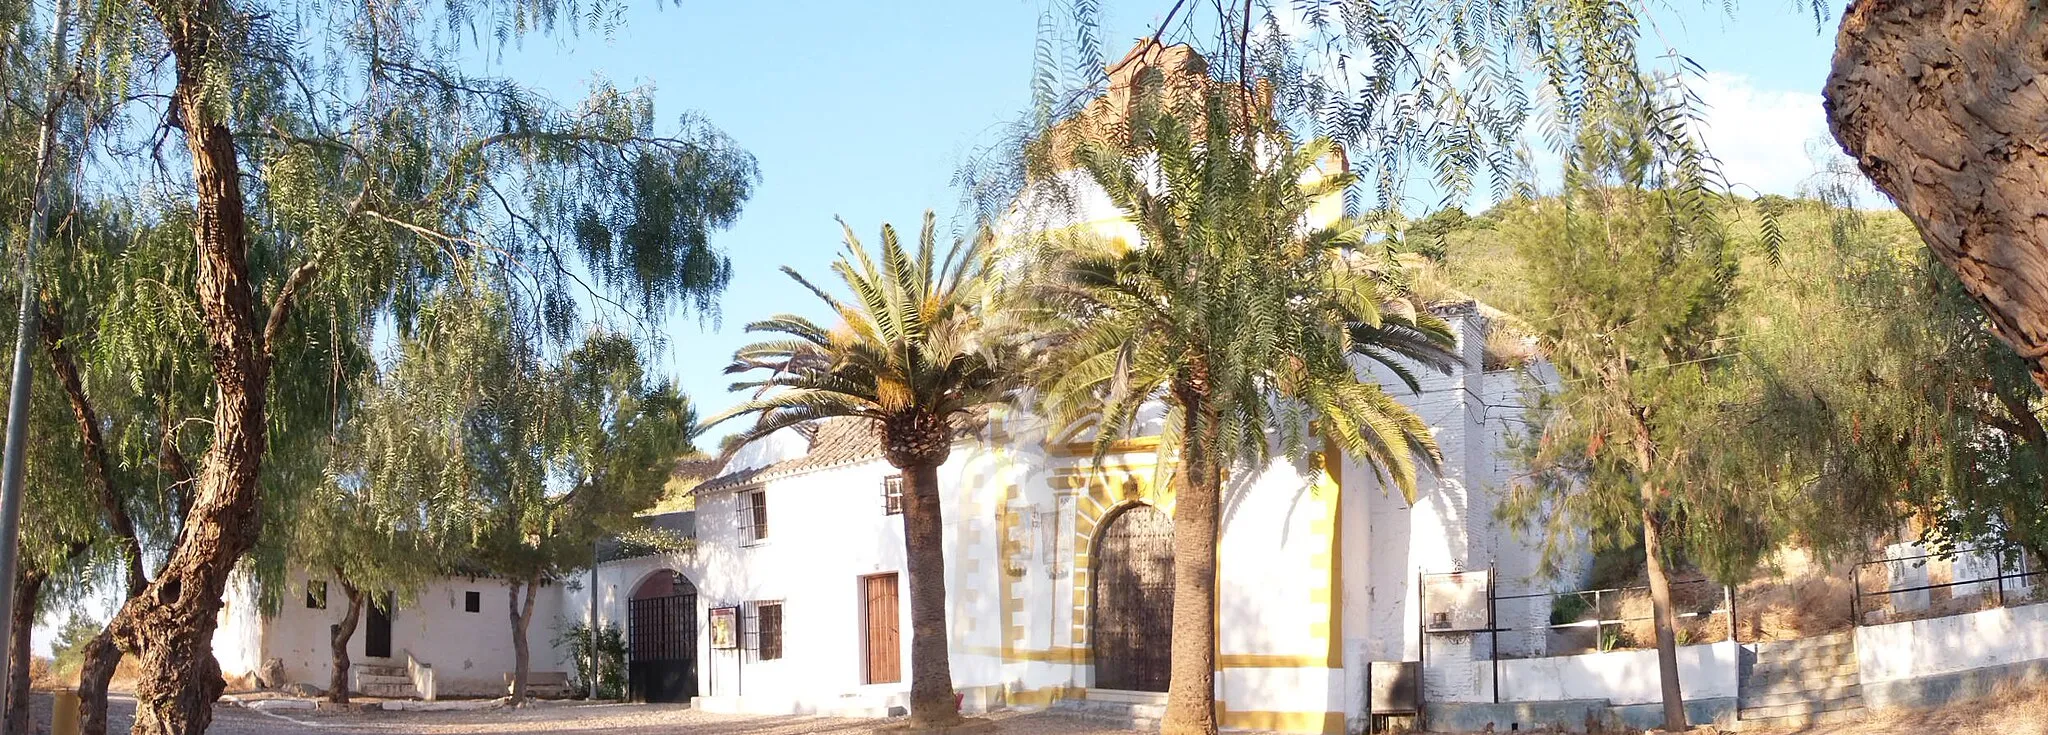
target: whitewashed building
452 639
1057 568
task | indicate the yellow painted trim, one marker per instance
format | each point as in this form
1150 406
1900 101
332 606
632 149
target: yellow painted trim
1329 723
1087 449
1270 661
1333 468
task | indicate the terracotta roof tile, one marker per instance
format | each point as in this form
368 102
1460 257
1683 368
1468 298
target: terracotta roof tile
834 443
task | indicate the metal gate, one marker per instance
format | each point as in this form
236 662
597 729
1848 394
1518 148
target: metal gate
1131 589
662 631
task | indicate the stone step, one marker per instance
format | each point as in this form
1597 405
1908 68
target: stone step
1831 653
380 670
1801 721
1800 708
1802 645
1799 684
1766 676
1750 700
388 691
368 679
1126 715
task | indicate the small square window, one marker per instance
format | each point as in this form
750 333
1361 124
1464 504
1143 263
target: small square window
472 601
316 595
892 495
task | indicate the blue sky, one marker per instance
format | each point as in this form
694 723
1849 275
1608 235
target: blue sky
864 110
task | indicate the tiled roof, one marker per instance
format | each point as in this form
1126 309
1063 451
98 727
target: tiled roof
834 443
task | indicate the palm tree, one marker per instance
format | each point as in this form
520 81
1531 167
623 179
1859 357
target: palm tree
1243 322
913 353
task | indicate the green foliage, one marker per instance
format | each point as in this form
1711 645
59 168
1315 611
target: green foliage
610 645
1569 608
1635 298
513 466
1227 290
68 648
919 344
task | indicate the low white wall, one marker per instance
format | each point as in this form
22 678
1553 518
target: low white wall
1944 645
1708 671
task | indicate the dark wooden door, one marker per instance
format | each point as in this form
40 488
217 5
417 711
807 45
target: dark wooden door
1132 591
377 631
662 640
884 638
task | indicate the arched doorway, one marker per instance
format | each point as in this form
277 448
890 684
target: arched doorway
662 636
1131 593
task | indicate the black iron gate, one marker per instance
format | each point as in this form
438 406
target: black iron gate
1131 589
663 653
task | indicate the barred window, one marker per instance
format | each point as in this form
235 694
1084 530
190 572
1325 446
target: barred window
892 495
753 516
763 630
472 601
316 595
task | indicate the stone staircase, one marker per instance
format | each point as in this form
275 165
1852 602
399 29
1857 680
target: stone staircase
1122 709
1811 681
382 679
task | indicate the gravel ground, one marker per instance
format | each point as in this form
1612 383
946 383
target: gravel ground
622 719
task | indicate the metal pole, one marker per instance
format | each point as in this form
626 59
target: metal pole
1998 573
1855 594
25 328
594 660
1493 626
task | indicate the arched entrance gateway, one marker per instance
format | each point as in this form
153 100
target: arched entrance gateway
1131 593
661 629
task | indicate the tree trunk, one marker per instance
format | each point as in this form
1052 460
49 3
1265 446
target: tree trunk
1939 102
28 586
98 467
338 636
522 613
95 675
932 703
170 626
1665 623
1191 688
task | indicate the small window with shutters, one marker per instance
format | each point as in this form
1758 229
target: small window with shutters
472 601
762 631
892 495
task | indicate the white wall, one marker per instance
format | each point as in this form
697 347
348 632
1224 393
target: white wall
1953 643
1707 671
827 531
470 652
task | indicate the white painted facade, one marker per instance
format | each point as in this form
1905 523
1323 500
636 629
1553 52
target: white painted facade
1316 573
448 651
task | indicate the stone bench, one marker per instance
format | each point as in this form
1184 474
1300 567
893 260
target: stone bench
551 684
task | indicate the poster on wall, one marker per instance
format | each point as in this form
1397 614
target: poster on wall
725 627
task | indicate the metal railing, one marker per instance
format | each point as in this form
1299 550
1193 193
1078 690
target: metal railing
1600 623
2002 571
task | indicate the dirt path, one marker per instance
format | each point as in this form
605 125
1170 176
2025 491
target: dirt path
619 719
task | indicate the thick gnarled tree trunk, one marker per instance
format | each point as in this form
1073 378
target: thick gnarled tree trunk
918 444
1191 687
169 627
1942 106
28 589
95 676
338 636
